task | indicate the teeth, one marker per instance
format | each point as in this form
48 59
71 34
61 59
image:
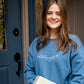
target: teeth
53 21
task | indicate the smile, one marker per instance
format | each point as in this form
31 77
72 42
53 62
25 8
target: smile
53 21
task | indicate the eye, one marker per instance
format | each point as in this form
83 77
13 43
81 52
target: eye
58 13
49 13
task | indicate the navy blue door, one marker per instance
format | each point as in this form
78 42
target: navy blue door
11 71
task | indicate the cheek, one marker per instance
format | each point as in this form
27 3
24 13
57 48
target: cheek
47 17
59 18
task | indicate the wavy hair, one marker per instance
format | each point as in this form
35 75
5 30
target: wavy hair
62 32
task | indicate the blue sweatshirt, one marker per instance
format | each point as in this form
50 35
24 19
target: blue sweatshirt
52 64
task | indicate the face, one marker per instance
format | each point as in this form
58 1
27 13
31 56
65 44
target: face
54 17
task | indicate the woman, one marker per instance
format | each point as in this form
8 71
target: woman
56 54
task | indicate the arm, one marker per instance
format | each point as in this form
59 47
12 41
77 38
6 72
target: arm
29 72
77 65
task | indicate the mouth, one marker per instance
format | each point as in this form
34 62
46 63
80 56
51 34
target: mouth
51 21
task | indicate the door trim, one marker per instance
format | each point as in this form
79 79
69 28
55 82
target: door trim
25 31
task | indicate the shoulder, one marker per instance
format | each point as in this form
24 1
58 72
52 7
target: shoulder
73 36
76 39
33 45
80 47
34 41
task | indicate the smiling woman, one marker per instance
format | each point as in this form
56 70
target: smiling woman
57 54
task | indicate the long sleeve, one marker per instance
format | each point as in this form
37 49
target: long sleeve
77 65
29 72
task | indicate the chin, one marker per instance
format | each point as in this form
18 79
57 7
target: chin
54 26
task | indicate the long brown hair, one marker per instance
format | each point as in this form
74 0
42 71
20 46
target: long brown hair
62 32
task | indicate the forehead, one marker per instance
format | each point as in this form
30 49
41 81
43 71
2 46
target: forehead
54 7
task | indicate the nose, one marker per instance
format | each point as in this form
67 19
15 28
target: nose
54 16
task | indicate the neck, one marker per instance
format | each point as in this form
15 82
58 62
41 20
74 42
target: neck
53 33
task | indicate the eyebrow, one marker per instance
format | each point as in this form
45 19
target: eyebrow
52 11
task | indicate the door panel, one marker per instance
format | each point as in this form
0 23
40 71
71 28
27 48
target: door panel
8 65
79 19
32 28
3 55
71 14
76 17
4 74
